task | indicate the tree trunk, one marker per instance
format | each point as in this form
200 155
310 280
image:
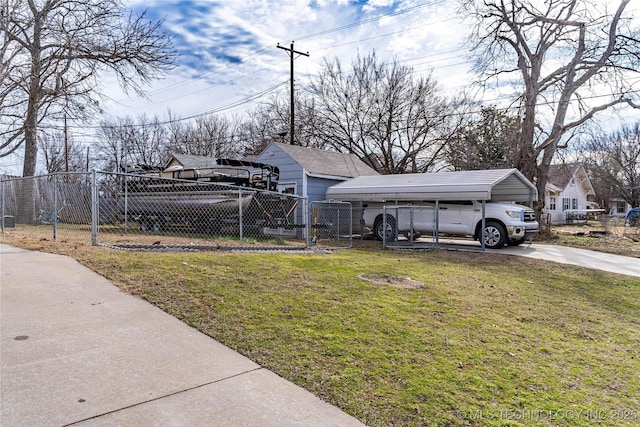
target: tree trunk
26 196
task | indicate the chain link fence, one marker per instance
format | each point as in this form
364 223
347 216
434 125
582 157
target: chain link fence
596 225
331 224
407 227
174 210
145 212
51 207
616 226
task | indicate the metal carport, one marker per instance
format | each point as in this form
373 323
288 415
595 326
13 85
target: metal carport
500 185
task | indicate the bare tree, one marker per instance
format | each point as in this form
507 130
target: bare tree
211 135
613 161
60 156
269 122
113 136
262 125
486 142
126 145
569 60
52 55
381 113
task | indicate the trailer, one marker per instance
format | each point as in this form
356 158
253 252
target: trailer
237 196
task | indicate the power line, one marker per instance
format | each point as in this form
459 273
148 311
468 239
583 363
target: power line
265 49
367 21
485 102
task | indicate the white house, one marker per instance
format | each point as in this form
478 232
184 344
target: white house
619 208
567 194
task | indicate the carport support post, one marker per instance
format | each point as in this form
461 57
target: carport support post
484 216
361 220
384 226
240 215
411 228
307 211
437 220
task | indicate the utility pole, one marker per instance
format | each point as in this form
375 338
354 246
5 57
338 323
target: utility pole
66 144
291 53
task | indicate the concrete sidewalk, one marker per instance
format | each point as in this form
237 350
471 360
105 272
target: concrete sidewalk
75 350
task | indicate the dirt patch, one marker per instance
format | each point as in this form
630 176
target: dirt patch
397 282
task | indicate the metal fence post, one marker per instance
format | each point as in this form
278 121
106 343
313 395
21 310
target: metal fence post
240 228
3 209
54 219
94 209
126 201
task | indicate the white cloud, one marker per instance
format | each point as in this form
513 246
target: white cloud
229 48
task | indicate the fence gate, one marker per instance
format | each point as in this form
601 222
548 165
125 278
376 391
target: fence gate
331 224
408 227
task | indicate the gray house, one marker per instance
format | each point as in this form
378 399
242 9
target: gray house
308 172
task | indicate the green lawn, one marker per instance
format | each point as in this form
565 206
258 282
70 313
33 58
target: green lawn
473 339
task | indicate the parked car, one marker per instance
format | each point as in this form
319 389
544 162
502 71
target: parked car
505 223
633 218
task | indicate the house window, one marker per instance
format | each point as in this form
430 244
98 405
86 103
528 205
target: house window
566 203
620 207
287 188
552 203
574 203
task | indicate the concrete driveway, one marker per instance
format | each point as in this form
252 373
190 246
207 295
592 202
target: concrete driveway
567 255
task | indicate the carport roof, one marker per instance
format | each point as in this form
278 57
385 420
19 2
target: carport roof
492 184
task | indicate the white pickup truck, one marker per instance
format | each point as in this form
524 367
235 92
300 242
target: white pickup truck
505 223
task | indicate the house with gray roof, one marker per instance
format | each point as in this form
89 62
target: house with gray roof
308 172
568 193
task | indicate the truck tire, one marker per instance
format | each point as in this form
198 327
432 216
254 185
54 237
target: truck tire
380 233
158 225
495 236
516 242
154 225
144 225
416 235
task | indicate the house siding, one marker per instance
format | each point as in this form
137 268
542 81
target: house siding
290 171
572 196
317 188
615 211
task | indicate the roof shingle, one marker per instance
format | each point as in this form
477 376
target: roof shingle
324 162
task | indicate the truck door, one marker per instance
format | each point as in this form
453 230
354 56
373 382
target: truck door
454 216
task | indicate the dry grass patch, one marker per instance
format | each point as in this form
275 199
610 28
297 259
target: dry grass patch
397 282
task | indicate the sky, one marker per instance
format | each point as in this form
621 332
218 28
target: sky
229 60
229 55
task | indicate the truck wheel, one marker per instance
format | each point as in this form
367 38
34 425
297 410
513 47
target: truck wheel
157 226
388 234
515 242
416 235
495 236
